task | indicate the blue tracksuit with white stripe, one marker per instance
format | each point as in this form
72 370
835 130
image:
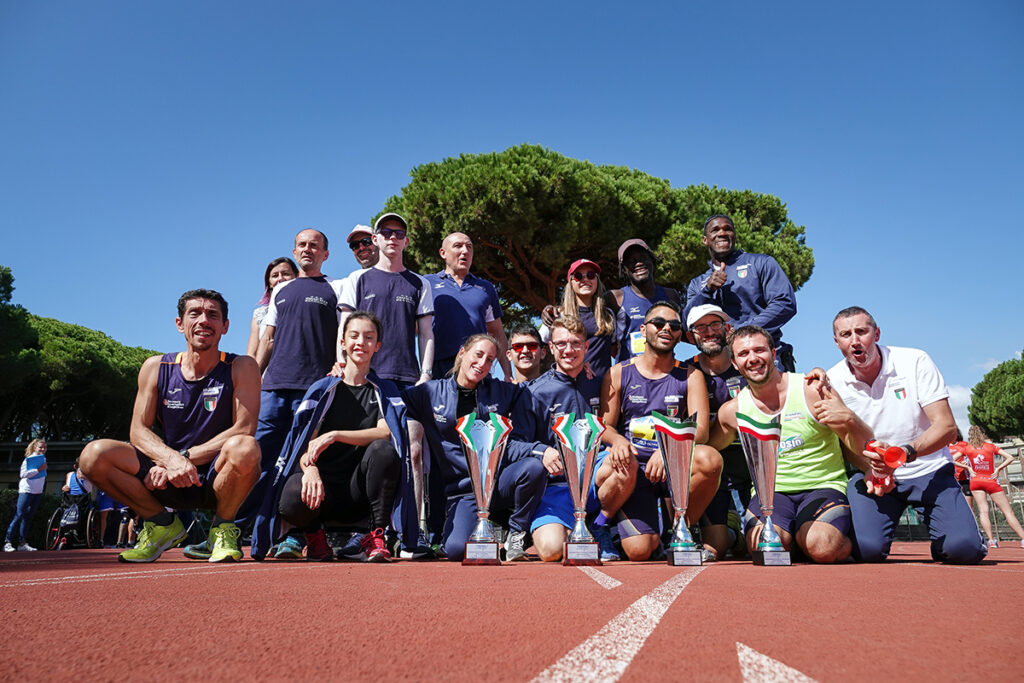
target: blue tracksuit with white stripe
521 478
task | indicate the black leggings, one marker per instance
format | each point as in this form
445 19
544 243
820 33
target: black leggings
367 488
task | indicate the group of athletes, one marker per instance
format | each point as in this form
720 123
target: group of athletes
343 414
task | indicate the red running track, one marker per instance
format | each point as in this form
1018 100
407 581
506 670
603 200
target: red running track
908 619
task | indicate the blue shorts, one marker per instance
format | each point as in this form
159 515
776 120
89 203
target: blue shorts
556 505
105 503
793 510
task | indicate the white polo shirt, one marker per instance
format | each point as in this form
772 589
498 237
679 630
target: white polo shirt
893 406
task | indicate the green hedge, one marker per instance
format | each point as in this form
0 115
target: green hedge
37 531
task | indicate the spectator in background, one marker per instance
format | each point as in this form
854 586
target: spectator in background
279 270
464 305
526 353
981 456
636 266
32 479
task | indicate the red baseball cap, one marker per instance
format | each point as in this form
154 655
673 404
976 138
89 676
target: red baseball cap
579 263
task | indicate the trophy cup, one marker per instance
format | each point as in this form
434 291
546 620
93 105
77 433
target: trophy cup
578 443
483 442
675 440
760 441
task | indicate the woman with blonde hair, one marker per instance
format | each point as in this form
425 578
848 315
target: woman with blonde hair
981 456
30 493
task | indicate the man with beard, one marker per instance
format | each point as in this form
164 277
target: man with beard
751 288
708 328
901 394
631 481
811 510
360 241
636 266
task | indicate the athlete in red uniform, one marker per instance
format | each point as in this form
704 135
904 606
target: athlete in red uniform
982 458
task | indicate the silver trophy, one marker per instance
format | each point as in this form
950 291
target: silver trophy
760 442
675 440
578 444
483 442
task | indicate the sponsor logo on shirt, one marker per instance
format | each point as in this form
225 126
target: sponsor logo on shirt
636 399
791 443
493 408
404 299
319 300
171 404
439 407
440 419
789 417
210 396
281 301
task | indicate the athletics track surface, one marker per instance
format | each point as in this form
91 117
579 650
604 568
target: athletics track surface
82 616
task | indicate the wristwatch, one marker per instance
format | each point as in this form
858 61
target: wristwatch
911 453
428 373
185 454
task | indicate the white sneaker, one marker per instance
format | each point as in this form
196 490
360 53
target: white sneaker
8 548
26 548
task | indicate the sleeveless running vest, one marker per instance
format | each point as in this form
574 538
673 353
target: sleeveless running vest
193 412
641 396
631 314
810 456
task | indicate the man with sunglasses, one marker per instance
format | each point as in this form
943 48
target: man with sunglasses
631 481
464 305
360 241
708 329
752 288
526 353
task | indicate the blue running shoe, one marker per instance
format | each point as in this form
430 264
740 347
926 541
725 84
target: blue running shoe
605 544
353 548
289 549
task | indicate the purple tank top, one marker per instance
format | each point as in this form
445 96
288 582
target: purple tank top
192 413
641 396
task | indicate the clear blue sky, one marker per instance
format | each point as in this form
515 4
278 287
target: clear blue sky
149 148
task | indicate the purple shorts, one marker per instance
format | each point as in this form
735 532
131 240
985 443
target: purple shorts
793 510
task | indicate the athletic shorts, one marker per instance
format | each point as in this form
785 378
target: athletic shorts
187 498
105 503
556 505
641 513
793 510
985 484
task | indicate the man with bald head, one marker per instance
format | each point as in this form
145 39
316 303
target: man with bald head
464 305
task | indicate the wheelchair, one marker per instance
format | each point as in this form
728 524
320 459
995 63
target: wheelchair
75 522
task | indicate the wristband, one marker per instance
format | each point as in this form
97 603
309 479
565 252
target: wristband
911 452
428 373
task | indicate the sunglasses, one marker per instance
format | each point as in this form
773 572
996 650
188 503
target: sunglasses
579 277
519 347
674 325
388 233
364 242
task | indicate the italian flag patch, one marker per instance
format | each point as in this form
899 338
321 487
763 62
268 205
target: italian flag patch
763 431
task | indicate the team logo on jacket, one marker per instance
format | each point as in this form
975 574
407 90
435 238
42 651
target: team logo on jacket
210 396
741 271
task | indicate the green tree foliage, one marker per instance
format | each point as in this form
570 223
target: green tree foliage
531 212
997 401
61 381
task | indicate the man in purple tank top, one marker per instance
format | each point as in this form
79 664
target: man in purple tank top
631 481
206 402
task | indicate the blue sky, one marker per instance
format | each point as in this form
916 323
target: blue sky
148 148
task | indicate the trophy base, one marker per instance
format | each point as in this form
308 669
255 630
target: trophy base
771 558
580 555
481 553
684 557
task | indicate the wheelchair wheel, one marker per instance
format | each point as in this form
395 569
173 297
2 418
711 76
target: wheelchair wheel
92 529
53 529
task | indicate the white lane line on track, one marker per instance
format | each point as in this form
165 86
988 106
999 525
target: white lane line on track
605 655
146 574
760 668
602 578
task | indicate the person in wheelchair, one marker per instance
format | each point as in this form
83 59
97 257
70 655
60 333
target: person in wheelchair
76 521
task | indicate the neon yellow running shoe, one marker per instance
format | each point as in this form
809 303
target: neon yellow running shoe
153 541
224 543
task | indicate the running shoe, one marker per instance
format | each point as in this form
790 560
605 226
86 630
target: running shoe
374 547
353 548
993 543
290 548
515 546
605 544
26 548
224 543
197 551
153 541
8 548
317 549
421 551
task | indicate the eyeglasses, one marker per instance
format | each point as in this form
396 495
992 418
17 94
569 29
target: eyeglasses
388 233
563 345
355 244
519 347
702 328
659 323
579 277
